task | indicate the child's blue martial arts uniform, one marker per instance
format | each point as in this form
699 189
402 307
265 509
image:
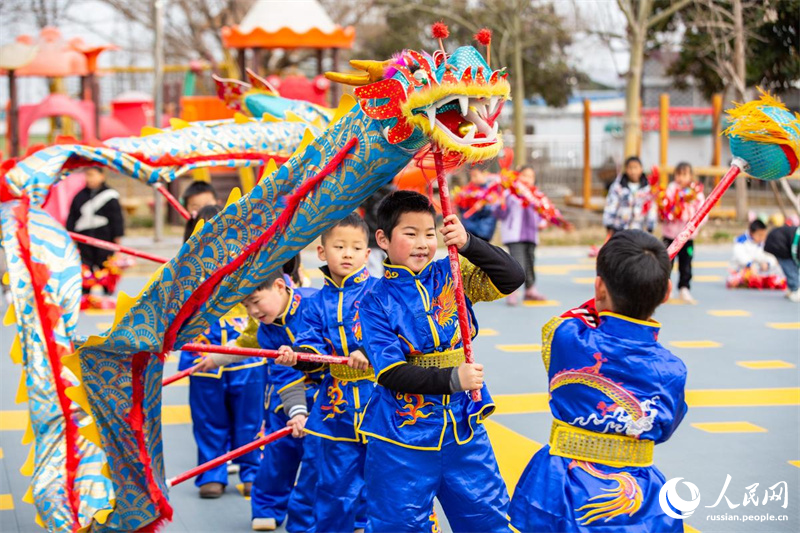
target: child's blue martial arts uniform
425 440
615 392
225 404
275 483
331 326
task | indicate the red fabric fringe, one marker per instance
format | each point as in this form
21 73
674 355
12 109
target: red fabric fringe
48 317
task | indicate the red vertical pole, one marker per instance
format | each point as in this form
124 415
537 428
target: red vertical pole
455 267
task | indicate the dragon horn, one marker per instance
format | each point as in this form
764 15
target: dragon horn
373 71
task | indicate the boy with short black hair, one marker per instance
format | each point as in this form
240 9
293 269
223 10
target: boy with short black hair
331 325
425 437
278 307
614 393
198 195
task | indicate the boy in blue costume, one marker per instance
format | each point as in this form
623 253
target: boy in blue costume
614 393
278 306
425 434
223 400
331 326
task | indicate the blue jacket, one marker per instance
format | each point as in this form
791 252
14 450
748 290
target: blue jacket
407 314
615 379
331 325
282 332
228 328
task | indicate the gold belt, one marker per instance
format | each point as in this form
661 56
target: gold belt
612 450
345 373
448 359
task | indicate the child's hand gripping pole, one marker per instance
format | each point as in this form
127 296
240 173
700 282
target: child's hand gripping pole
455 267
248 352
738 165
222 459
271 354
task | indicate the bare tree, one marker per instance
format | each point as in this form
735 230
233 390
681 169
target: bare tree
43 13
641 17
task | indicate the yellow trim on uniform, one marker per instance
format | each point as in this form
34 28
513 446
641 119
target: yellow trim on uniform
618 451
389 368
283 314
650 323
293 383
479 417
445 359
403 267
345 373
328 437
422 448
548 332
340 319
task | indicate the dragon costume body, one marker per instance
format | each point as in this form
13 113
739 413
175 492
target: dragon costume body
96 408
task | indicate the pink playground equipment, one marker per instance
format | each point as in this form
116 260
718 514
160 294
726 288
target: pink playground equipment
53 57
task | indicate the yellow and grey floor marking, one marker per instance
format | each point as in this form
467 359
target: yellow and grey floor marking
1 453
536 402
710 264
98 312
562 270
541 303
240 488
516 348
729 312
677 301
689 529
510 404
728 427
783 325
583 281
103 326
706 279
513 451
488 332
795 463
695 344
6 502
770 364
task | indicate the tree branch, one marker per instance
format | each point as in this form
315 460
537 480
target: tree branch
665 14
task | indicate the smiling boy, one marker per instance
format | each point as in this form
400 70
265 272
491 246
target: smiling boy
425 434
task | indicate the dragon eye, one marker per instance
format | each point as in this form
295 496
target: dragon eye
421 76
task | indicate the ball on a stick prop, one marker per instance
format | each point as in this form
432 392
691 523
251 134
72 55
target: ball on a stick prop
765 142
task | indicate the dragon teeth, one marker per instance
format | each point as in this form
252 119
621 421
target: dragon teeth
496 128
432 116
463 102
493 104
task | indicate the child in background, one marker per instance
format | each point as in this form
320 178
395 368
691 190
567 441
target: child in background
520 217
224 401
751 266
198 195
95 212
596 474
277 306
784 244
425 437
481 223
629 204
681 200
331 326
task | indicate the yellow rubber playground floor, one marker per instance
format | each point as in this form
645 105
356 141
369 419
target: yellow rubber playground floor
742 350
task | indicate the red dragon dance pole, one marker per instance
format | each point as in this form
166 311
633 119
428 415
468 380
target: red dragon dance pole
271 354
179 375
455 267
114 247
233 454
172 201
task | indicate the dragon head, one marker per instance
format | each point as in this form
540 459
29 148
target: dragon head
451 100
